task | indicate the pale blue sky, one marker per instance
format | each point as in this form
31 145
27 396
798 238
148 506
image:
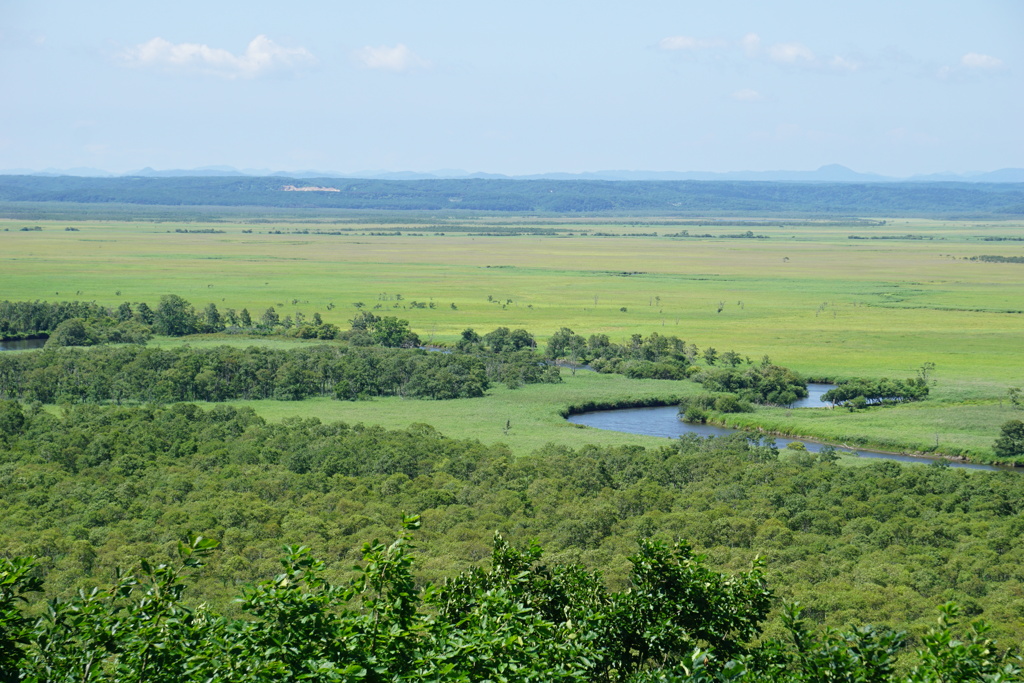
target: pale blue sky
886 86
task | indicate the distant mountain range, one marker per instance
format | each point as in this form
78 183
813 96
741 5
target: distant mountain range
833 173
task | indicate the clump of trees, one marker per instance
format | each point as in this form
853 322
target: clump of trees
388 331
75 323
767 383
23 319
1010 444
653 357
860 393
697 408
96 331
669 357
509 356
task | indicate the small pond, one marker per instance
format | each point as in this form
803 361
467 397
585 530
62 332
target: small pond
664 421
22 344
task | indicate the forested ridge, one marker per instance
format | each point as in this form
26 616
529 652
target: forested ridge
704 198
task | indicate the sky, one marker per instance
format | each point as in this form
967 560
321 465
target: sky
896 87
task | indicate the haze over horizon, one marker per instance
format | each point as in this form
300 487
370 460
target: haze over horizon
914 88
830 173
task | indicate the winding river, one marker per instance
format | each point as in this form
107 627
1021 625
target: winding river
664 421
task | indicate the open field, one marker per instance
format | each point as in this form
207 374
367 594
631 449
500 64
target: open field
531 412
807 295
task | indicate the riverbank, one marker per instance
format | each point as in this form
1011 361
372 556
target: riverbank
956 432
664 422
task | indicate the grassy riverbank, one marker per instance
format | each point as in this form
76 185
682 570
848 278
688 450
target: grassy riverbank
926 428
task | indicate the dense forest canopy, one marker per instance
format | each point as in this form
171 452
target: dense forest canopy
536 196
95 488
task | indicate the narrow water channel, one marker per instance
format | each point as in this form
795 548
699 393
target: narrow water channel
664 421
22 344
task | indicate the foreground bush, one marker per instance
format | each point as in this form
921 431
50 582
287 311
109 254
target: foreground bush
520 620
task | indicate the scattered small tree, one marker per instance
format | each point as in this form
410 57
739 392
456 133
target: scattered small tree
270 318
1016 398
925 370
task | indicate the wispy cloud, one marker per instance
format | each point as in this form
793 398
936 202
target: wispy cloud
397 58
972 66
790 53
261 56
690 43
844 64
973 60
747 95
751 44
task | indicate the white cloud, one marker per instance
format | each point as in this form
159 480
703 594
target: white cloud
690 43
790 53
751 44
973 60
844 64
970 67
783 54
747 95
261 56
397 58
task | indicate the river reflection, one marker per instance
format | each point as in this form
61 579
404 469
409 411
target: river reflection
22 344
664 421
815 390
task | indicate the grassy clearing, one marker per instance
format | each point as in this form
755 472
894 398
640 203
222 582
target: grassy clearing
531 411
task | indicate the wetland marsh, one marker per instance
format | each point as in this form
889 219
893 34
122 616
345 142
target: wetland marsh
904 293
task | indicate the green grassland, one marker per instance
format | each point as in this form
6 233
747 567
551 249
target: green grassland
807 295
531 413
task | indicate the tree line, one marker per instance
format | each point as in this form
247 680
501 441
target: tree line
22 319
505 355
669 357
153 375
861 392
699 198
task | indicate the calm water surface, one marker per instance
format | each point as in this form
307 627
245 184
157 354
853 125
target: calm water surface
815 391
22 344
665 422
